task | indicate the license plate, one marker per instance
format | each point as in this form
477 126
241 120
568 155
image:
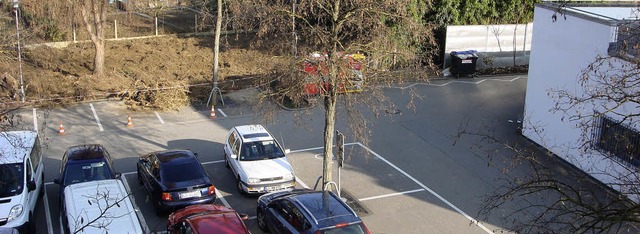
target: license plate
190 194
271 189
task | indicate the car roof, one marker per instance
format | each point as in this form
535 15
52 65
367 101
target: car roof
255 132
81 199
85 152
224 222
172 156
15 145
325 211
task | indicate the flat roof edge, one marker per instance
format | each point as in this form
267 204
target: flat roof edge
567 9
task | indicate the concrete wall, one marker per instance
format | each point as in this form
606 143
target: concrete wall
560 52
493 41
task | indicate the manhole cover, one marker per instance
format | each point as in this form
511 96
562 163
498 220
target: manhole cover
358 207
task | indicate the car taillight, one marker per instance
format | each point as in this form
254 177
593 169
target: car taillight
366 230
166 197
212 190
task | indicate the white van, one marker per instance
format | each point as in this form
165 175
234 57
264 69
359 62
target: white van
101 206
21 178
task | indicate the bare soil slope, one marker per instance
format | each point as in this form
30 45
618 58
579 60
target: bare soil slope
64 74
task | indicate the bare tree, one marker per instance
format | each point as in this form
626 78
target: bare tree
94 16
105 203
384 31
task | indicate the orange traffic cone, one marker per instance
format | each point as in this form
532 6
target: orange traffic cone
61 131
213 112
129 122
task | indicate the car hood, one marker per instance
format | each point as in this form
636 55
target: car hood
8 202
267 168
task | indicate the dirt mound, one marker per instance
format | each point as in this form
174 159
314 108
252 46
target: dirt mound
64 74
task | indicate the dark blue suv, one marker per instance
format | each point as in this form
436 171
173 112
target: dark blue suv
307 211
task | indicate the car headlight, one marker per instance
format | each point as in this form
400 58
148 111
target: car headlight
252 180
15 212
288 176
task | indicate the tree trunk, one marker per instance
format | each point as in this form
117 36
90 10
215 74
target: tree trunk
330 99
216 47
97 18
329 129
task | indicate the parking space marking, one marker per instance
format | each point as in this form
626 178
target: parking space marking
95 115
159 118
222 113
301 183
217 161
458 81
35 120
391 195
224 201
142 221
46 207
474 221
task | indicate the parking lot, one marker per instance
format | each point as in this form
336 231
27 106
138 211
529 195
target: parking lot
393 196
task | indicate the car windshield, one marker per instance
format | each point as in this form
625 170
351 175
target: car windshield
259 150
11 179
183 171
86 170
351 229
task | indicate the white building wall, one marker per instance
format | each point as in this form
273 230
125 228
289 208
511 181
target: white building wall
560 51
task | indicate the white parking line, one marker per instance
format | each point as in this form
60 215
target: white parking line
35 120
142 221
222 113
390 195
224 201
46 208
159 118
95 115
298 180
429 190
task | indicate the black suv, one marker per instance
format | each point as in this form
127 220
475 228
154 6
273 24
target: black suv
307 211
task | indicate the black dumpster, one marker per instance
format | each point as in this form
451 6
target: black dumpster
463 62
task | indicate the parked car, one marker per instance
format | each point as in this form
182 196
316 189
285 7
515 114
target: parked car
174 179
84 163
307 211
208 218
21 179
257 160
101 206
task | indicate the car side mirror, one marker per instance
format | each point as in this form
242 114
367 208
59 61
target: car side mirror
244 217
31 185
56 181
233 156
286 151
195 154
118 175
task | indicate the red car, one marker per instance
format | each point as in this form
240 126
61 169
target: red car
207 218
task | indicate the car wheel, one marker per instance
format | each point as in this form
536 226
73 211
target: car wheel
41 194
226 161
139 177
240 187
30 226
262 224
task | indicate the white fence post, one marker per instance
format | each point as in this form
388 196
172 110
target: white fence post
115 27
156 25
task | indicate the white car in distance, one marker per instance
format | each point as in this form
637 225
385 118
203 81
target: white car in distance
257 160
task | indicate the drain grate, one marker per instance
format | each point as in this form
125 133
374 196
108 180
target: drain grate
355 204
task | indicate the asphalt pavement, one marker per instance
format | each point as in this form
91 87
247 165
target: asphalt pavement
410 177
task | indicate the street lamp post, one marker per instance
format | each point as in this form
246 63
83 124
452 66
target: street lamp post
15 9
